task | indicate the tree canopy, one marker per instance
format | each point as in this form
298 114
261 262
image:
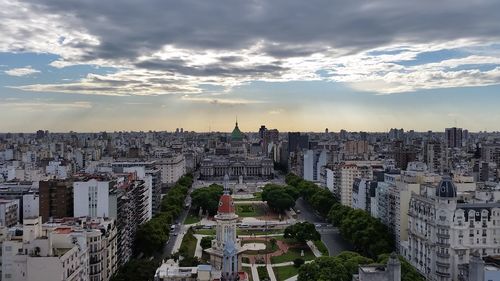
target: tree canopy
368 235
338 268
302 232
279 198
207 198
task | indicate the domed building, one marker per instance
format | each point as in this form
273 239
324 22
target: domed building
235 161
236 134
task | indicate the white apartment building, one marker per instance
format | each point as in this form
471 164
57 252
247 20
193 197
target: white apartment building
447 227
58 170
172 168
31 205
41 255
101 239
314 160
92 198
344 175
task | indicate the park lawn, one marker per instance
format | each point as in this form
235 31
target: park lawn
191 218
269 247
292 254
250 210
262 270
284 272
188 245
321 247
205 231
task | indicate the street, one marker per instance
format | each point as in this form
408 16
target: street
329 235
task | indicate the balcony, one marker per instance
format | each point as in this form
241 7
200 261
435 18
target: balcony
442 274
443 264
443 255
443 244
442 235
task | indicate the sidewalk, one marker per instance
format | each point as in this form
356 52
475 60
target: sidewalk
270 272
314 249
199 250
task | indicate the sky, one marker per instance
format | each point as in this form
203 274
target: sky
293 65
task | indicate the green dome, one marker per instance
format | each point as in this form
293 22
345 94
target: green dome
236 135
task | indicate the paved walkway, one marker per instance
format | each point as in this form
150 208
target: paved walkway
270 272
255 273
199 250
314 249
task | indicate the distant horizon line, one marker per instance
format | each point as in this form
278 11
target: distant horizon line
229 132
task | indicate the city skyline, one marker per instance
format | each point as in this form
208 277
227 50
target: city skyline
290 65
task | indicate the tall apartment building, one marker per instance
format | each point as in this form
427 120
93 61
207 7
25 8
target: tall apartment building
314 161
445 228
172 168
92 198
340 177
393 197
147 172
435 156
454 137
124 198
56 199
491 153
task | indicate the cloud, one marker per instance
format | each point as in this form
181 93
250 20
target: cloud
220 101
22 71
175 47
45 105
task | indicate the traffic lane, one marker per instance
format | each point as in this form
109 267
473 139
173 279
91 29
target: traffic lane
330 235
307 213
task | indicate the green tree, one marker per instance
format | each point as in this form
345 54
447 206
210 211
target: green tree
338 268
206 242
137 269
277 197
207 198
302 232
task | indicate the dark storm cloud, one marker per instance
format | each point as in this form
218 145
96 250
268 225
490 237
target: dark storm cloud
215 69
128 28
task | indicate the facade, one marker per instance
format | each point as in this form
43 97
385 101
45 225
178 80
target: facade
454 137
31 206
445 228
42 255
9 212
216 167
172 167
435 156
314 161
101 239
344 175
56 199
490 153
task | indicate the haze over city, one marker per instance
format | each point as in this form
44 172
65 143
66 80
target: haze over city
294 65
